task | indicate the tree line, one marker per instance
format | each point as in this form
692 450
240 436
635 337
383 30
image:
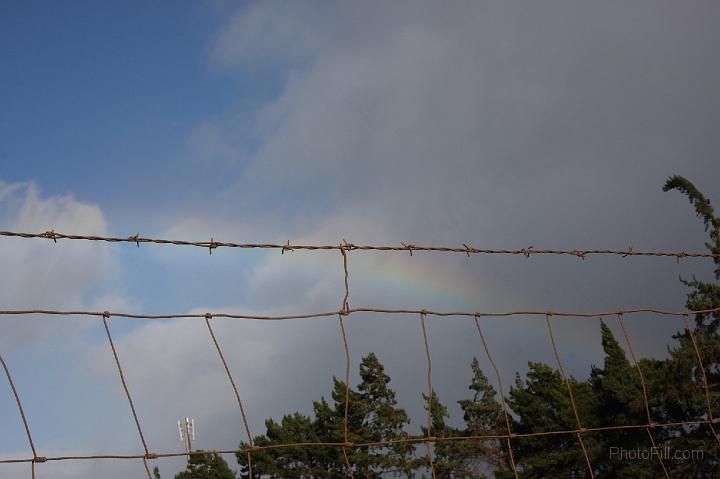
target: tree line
612 395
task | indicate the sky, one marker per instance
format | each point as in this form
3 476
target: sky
498 124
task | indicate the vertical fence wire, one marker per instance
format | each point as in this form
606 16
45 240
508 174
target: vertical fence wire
430 437
105 317
646 402
501 395
566 379
704 376
208 317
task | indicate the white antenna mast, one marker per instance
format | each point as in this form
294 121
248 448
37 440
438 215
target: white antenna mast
186 428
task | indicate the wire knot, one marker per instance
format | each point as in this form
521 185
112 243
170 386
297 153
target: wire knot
579 254
39 459
151 455
582 429
345 246
467 250
287 247
652 425
106 314
629 252
135 239
528 251
408 247
208 316
349 444
679 255
51 235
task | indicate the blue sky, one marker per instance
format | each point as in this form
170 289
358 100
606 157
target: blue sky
494 124
101 100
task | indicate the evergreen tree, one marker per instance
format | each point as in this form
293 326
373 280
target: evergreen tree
483 416
383 421
205 466
620 402
679 380
287 462
541 403
449 457
373 416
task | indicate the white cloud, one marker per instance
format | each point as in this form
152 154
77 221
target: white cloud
38 274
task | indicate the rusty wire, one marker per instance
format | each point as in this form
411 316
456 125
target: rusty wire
410 440
704 376
430 395
566 379
345 246
208 317
345 310
347 397
646 403
501 394
127 394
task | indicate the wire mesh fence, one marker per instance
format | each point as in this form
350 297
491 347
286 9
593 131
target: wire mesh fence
345 310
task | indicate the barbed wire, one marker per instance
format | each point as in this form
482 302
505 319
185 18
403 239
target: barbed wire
345 310
345 246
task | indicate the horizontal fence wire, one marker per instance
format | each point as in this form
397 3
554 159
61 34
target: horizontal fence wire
345 310
345 246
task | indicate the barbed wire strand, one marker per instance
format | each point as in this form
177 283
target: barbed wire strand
208 317
105 318
347 397
646 402
566 379
704 376
501 395
406 247
430 395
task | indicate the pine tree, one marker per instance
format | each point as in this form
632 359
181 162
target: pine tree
450 458
206 466
678 381
287 462
483 416
620 402
373 416
541 403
